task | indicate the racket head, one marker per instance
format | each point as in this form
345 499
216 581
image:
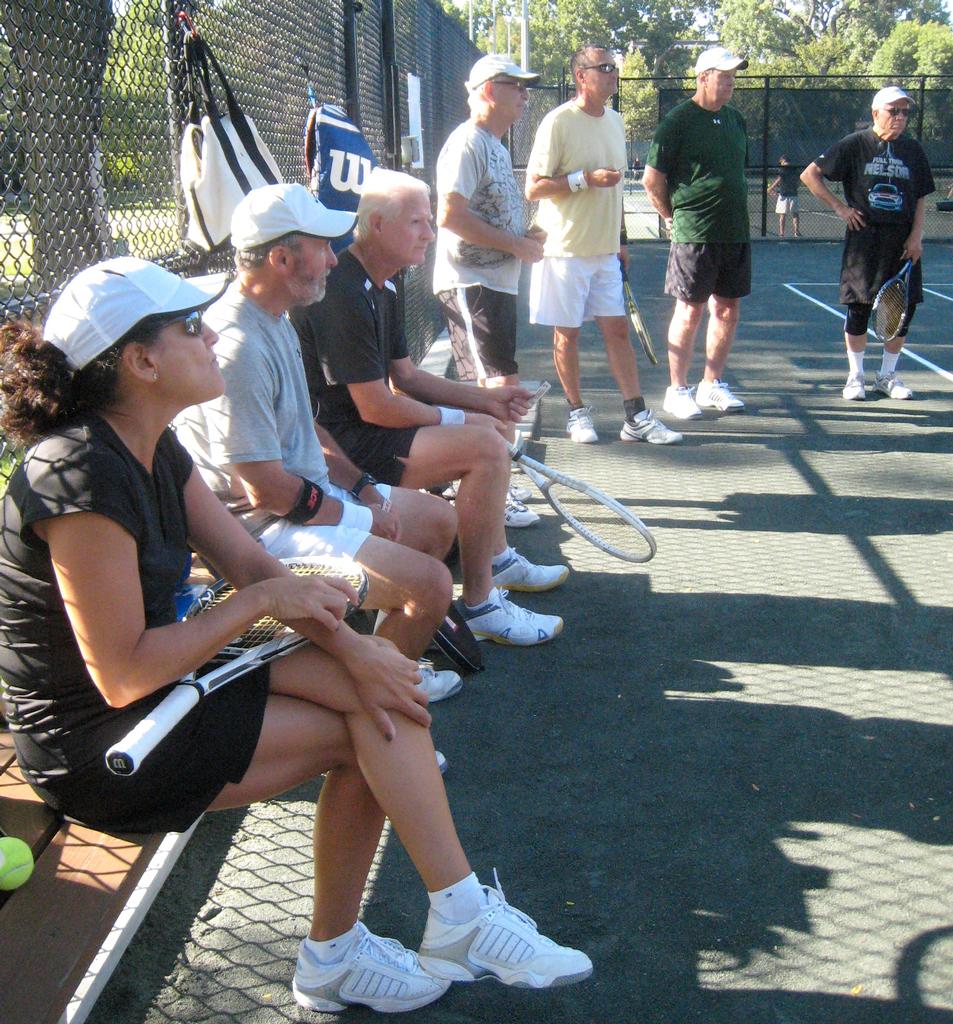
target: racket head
638 324
890 305
268 628
594 515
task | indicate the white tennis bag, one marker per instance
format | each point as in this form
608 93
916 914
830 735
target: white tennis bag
222 157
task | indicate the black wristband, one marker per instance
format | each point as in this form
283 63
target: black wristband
364 480
308 503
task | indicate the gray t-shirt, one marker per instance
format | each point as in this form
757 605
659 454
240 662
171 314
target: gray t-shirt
265 413
475 164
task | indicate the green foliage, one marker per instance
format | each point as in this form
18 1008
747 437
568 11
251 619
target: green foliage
638 100
915 49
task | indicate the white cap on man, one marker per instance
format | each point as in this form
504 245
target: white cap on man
492 65
102 304
717 58
271 211
889 94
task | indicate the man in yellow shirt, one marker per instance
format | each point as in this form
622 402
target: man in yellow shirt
575 171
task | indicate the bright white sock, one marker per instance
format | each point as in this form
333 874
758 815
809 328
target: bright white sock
489 597
461 902
855 361
889 362
330 951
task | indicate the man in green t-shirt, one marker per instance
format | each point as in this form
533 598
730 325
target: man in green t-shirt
695 178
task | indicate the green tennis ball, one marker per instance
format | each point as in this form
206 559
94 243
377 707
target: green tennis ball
16 863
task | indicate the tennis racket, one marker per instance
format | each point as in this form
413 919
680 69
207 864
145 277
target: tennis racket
261 642
635 318
891 304
599 519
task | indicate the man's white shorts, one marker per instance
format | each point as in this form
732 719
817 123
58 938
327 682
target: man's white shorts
566 290
291 540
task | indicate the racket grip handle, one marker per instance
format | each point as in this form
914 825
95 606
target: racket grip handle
126 756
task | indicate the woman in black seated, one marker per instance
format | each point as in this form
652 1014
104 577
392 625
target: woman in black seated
99 522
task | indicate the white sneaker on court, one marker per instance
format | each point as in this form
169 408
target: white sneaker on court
438 685
503 622
580 427
375 972
680 403
715 394
892 386
500 942
516 515
519 573
854 390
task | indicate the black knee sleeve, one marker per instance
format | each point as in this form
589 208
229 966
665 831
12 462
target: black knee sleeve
857 319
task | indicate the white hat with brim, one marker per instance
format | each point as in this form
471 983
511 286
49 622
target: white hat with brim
889 94
491 66
717 58
271 211
104 302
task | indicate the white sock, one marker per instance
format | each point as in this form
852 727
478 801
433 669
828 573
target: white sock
489 597
330 951
889 362
461 902
855 361
504 556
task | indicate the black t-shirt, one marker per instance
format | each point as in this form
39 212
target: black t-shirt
882 179
59 719
790 179
350 337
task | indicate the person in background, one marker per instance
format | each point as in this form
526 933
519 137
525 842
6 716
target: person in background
785 187
886 178
695 179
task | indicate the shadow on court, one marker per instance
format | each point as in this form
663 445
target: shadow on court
729 780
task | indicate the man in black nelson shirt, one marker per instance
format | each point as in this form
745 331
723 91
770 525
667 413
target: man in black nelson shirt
886 178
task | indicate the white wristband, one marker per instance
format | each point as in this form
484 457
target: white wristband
451 416
356 517
577 181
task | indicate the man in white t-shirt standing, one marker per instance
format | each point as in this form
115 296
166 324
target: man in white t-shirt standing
481 236
575 171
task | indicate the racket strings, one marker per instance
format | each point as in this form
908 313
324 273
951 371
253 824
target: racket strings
602 525
267 627
890 312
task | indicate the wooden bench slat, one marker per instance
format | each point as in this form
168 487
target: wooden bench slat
54 925
22 813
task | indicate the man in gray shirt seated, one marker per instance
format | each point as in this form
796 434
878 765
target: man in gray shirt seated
259 449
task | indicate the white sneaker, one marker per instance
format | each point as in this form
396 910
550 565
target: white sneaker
518 573
441 763
854 390
379 973
580 428
503 622
680 403
715 394
892 386
518 493
500 942
438 685
517 515
646 427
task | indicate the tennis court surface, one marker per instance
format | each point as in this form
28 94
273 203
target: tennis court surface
729 780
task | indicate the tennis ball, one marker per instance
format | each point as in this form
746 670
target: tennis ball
16 863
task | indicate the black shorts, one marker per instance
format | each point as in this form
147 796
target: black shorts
872 256
698 270
212 746
482 325
376 450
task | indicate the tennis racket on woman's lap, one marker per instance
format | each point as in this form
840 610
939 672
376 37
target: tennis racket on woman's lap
596 517
635 318
892 304
262 641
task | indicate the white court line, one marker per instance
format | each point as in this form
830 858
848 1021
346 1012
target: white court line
840 316
939 295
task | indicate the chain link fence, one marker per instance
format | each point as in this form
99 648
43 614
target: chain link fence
92 107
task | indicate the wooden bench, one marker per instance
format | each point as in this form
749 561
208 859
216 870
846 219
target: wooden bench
64 931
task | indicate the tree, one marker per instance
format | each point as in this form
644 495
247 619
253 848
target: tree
823 36
638 99
915 49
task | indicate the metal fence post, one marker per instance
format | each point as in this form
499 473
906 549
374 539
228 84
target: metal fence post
352 92
765 127
391 85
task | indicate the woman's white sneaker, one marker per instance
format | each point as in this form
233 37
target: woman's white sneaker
500 942
375 972
519 573
715 394
438 685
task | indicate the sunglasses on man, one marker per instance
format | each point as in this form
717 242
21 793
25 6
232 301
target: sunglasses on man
607 68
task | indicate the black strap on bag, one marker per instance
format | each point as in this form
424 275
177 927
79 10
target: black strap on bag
199 59
455 641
